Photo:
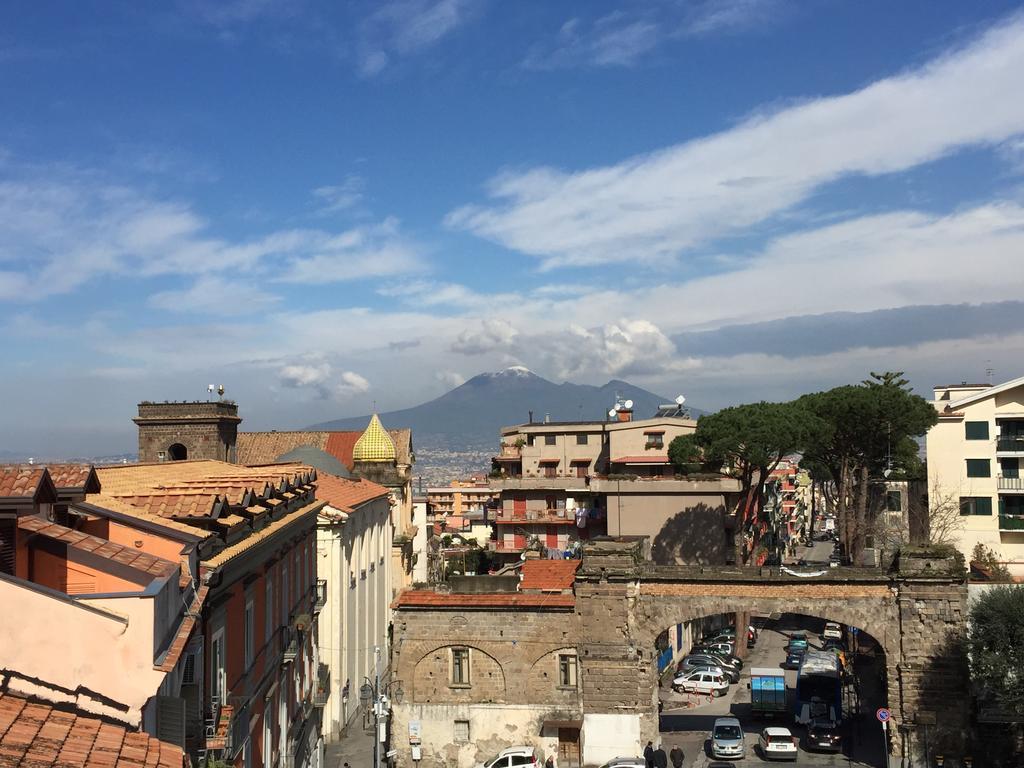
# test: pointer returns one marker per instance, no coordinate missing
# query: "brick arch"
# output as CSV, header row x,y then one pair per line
x,y
536,678
429,678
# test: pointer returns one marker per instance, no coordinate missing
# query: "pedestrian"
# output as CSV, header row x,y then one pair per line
x,y
660,758
649,754
550,762
676,756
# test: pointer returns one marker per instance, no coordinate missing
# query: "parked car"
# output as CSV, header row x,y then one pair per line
x,y
834,561
725,658
707,683
832,631
729,673
726,632
832,645
777,744
699,660
513,756
626,762
793,659
716,647
823,735
727,739
797,642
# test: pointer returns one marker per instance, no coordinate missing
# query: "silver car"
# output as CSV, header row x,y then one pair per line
x,y
727,739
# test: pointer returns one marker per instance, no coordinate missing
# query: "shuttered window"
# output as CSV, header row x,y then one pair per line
x,y
976,430
170,720
8,542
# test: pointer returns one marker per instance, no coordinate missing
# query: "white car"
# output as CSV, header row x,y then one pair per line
x,y
832,631
511,757
704,682
777,744
626,762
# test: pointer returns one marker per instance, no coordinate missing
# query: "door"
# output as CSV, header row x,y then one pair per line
x,y
519,507
568,747
552,537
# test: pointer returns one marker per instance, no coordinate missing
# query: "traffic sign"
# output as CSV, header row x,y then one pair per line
x,y
883,715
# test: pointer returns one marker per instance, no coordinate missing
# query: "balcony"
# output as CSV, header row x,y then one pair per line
x,y
1011,523
319,595
510,453
322,687
536,517
1010,483
1010,445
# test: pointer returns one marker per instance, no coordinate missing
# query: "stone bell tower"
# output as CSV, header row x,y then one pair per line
x,y
187,430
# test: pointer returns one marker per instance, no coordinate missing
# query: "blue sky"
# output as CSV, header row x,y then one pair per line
x,y
324,205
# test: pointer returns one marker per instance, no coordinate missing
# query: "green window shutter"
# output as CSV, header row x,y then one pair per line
x,y
1002,506
976,430
979,468
983,505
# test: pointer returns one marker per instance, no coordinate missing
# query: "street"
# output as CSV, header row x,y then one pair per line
x,y
688,723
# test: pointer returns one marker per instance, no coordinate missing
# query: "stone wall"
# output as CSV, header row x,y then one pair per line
x,y
207,430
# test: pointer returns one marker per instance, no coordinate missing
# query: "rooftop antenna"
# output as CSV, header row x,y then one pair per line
x,y
989,370
209,392
220,391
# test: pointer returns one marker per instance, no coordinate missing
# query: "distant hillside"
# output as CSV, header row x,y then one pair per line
x,y
477,409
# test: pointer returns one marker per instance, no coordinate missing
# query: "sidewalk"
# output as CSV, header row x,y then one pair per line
x,y
355,748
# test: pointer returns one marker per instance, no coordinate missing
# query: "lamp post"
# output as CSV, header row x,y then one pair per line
x,y
375,692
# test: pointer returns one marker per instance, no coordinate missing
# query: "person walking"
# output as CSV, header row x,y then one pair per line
x,y
676,756
649,754
660,758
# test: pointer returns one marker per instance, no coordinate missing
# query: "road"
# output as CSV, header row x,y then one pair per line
x,y
688,724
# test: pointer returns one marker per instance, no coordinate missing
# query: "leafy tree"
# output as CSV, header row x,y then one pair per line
x,y
867,432
996,646
988,559
685,454
749,441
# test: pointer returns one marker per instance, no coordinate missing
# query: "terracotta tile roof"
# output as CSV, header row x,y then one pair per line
x,y
133,558
177,646
267,447
549,575
35,734
346,495
102,501
647,459
425,598
74,477
21,481
264,533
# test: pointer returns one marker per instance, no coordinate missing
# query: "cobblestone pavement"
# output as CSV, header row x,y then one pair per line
x,y
355,748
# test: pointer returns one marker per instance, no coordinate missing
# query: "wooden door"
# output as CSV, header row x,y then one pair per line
x,y
519,507
568,747
552,537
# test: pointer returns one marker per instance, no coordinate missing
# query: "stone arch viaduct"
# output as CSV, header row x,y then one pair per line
x,y
916,612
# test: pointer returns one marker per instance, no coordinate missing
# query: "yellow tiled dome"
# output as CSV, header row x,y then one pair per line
x,y
375,444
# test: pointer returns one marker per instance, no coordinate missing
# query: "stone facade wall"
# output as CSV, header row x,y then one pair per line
x,y
207,430
514,683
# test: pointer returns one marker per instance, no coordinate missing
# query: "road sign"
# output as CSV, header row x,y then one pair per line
x,y
883,715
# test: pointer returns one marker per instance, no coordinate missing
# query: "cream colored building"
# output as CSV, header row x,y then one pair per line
x,y
975,454
354,533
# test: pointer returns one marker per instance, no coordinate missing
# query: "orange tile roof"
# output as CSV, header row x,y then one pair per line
x,y
264,533
133,558
425,598
341,444
345,495
177,646
120,506
35,734
74,476
21,481
549,575
267,447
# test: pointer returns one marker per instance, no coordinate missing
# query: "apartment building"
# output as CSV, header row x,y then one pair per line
x,y
975,456
562,483
462,498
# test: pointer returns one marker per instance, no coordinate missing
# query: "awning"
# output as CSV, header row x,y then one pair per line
x,y
548,461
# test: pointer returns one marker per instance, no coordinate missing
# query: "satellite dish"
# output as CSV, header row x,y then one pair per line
x,y
680,400
628,404
611,414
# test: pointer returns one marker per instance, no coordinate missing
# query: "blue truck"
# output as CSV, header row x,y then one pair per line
x,y
767,691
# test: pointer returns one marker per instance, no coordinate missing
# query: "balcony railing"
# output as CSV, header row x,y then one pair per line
x,y
322,688
319,595
1010,483
1010,445
512,452
1011,523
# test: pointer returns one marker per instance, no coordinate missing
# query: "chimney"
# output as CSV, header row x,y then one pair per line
x,y
625,414
547,418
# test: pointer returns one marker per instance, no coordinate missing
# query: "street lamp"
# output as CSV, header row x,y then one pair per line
x,y
378,694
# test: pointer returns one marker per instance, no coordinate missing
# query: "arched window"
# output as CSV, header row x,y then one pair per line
x,y
177,452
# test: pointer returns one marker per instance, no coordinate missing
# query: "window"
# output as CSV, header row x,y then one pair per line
x,y
285,592
567,670
979,468
530,439
549,469
250,633
581,439
893,501
268,610
460,667
268,734
549,439
1009,467
975,505
581,469
218,685
461,731
976,430
655,440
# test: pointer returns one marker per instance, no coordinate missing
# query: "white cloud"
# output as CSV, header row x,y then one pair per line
x,y
214,295
322,379
491,334
651,208
450,379
617,39
369,251
719,16
340,197
406,27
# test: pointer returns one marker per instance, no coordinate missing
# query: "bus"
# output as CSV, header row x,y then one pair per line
x,y
819,688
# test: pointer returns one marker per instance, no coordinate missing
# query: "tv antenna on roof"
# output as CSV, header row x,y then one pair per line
x,y
989,370
680,400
